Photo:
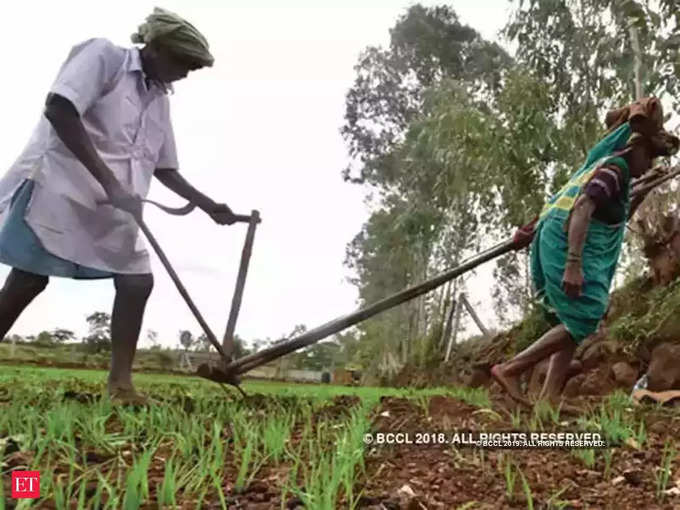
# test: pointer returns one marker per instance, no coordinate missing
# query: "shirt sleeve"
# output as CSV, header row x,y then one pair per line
x,y
605,185
167,157
88,70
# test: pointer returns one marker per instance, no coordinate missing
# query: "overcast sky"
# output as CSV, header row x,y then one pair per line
x,y
259,130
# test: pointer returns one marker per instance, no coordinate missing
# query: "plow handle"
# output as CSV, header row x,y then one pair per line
x,y
251,361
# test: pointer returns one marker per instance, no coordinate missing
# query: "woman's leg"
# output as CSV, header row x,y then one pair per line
x,y
132,293
557,372
19,290
507,374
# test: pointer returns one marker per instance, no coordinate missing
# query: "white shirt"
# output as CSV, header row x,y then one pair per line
x,y
130,127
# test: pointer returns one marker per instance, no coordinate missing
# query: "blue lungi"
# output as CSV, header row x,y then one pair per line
x,y
20,247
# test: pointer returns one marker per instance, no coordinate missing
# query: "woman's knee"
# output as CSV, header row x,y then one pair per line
x,y
134,285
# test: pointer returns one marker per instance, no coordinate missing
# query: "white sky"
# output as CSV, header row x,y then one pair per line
x,y
259,130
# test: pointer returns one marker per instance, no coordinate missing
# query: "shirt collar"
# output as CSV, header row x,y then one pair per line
x,y
135,64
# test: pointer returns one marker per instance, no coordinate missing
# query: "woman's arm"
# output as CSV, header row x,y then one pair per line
x,y
174,181
63,116
66,122
572,281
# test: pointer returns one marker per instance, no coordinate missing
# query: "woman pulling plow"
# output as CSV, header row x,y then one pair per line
x,y
578,241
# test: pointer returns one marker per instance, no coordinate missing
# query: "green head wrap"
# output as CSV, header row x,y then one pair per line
x,y
177,34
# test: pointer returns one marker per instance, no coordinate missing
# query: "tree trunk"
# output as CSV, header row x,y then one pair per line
x,y
446,333
443,302
447,302
456,325
474,315
445,314
452,311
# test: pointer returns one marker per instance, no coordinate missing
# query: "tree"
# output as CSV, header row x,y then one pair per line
x,y
389,113
186,339
585,50
297,330
15,339
99,337
203,343
349,343
320,356
63,335
488,169
152,338
44,339
427,45
258,344
240,349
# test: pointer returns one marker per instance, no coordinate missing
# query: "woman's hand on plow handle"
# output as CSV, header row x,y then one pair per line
x,y
524,235
123,199
220,213
572,281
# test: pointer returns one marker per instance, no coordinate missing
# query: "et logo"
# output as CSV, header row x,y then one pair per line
x,y
25,484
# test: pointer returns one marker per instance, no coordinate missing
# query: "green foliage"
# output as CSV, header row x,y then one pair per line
x,y
166,455
165,359
587,456
398,128
651,315
664,472
527,491
427,44
44,339
275,435
99,337
60,335
240,348
510,476
320,356
512,291
583,48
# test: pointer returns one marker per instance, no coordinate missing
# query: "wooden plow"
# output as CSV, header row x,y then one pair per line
x,y
232,368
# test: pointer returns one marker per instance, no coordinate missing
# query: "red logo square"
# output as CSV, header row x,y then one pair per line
x,y
25,484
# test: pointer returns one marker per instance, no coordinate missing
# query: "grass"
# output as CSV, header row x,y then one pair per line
x,y
331,472
204,448
527,491
103,456
663,473
516,418
607,456
275,435
554,503
587,456
510,477
544,411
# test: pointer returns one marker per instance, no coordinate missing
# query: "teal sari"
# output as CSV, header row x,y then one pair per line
x,y
602,248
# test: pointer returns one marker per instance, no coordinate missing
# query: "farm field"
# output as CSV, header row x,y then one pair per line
x,y
302,446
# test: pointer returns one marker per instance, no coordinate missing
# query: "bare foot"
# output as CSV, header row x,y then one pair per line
x,y
127,395
510,384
